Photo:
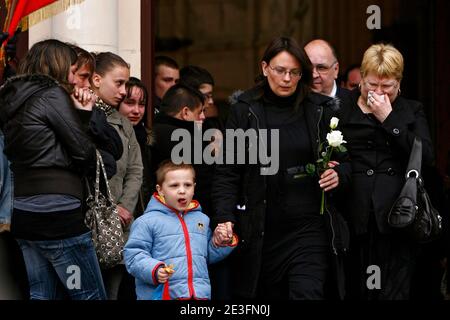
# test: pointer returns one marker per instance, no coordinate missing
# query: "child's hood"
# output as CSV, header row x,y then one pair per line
x,y
158,203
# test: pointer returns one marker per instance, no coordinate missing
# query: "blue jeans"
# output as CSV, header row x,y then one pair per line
x,y
63,268
6,187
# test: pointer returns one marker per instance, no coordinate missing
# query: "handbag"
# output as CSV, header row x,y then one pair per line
x,y
103,219
413,211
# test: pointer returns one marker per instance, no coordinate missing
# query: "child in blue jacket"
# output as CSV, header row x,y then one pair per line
x,y
171,244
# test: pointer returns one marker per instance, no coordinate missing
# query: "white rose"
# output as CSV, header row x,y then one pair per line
x,y
334,123
335,138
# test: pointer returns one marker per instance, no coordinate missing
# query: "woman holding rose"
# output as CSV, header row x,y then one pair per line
x,y
380,127
284,250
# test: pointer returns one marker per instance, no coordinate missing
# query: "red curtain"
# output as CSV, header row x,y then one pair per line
x,y
24,8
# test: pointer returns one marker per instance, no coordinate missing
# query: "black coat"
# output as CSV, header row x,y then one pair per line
x,y
44,138
244,185
105,138
342,93
379,154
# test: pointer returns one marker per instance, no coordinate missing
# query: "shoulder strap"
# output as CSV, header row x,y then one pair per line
x,y
101,166
415,159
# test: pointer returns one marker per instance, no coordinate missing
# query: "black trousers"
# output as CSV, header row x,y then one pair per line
x,y
220,277
395,256
296,267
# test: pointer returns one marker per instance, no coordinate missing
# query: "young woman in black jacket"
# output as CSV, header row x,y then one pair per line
x,y
49,154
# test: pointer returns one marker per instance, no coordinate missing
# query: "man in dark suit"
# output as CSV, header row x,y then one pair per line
x,y
325,68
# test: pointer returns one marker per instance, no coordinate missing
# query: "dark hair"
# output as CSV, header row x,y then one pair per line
x,y
196,76
84,58
52,58
286,44
135,82
348,70
179,96
105,61
165,61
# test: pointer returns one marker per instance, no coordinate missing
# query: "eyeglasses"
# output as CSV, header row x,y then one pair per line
x,y
385,87
208,96
280,71
322,68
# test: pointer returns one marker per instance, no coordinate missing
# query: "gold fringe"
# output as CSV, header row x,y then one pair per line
x,y
49,11
24,24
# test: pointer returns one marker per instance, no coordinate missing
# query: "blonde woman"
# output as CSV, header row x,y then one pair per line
x,y
380,126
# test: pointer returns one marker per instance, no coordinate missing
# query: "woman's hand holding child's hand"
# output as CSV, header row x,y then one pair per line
x,y
221,236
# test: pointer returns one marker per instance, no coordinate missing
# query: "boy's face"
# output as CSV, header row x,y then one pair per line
x,y
207,90
82,76
197,115
177,188
165,78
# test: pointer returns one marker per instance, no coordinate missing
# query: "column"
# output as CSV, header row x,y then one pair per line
x,y
97,25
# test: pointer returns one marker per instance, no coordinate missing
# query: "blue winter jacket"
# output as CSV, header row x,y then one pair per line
x,y
163,236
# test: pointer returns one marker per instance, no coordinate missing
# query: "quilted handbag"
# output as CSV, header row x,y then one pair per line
x,y
413,211
103,220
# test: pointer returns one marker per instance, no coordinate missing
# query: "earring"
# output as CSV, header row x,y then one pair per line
x,y
359,86
399,91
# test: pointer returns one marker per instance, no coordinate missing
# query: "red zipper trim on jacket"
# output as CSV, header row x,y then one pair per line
x,y
166,294
189,256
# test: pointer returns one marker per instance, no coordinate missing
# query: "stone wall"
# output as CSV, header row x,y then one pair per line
x,y
228,36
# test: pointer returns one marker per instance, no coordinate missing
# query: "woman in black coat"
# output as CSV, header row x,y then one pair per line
x,y
379,127
284,247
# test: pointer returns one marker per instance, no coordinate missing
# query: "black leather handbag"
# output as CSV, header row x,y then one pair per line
x,y
413,211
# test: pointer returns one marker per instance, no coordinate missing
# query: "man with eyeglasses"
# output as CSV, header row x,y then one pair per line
x,y
200,79
325,68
